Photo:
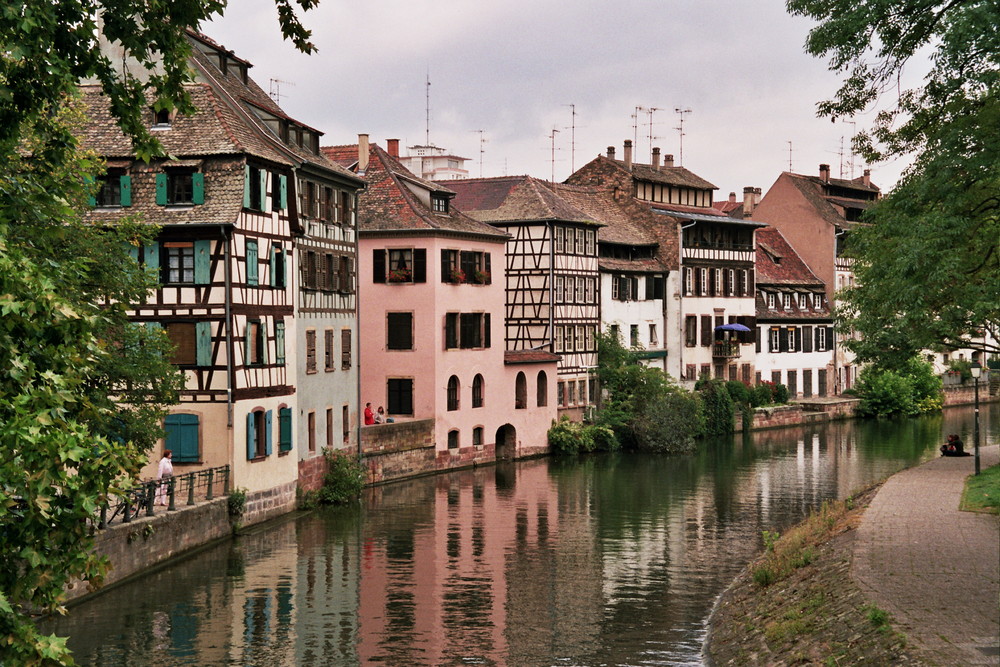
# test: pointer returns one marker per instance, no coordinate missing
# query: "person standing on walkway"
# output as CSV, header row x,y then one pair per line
x,y
164,473
369,415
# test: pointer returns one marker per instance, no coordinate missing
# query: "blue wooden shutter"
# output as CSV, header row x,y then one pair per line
x,y
263,190
182,437
198,187
161,189
125,181
247,361
252,263
285,430
151,256
251,437
263,342
133,252
202,262
88,180
283,192
268,438
203,343
279,343
274,266
246,186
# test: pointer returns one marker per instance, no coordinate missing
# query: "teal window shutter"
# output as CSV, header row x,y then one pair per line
x,y
283,192
251,438
285,430
182,437
198,187
88,180
268,439
161,189
202,262
247,361
151,256
263,343
246,186
263,190
252,263
133,252
153,326
203,343
126,189
279,343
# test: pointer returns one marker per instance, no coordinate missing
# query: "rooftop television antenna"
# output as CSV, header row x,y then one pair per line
x,y
680,129
275,89
572,138
482,149
552,138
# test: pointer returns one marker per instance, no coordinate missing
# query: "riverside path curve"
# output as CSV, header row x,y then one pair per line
x,y
934,568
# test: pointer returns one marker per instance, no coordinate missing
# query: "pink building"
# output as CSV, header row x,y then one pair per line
x,y
432,320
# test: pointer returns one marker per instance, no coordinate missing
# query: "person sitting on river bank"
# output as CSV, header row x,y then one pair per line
x,y
953,447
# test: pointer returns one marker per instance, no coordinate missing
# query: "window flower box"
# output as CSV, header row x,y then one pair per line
x,y
481,277
456,276
400,276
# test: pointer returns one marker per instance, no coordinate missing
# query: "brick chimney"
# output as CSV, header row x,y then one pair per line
x,y
824,173
867,178
751,197
732,196
656,157
362,153
628,153
392,147
611,152
668,160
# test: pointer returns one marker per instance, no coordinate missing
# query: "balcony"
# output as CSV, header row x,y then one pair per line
x,y
725,349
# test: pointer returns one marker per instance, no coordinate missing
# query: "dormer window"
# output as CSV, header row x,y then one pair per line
x,y
180,187
161,119
786,301
439,204
770,300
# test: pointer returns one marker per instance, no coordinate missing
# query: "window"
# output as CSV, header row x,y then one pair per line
x,y
803,304
775,340
770,300
345,422
731,282
161,119
256,337
821,339
580,244
688,281
560,240
453,439
345,349
634,335
467,330
182,437
311,351
329,427
278,273
655,287
571,393
786,301
590,338
477,436
439,203
817,301
279,342
653,339
285,430
454,390
183,337
400,396
560,287
614,331
703,282
399,331
520,391
589,293
477,391
399,265
254,188
580,290
581,345
178,262
792,331
328,354
557,338
259,438
541,389
180,187
706,330
115,190
561,393
717,287
744,276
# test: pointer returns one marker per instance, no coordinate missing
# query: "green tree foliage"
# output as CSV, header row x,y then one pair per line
x,y
928,267
670,423
568,437
81,389
908,390
720,411
344,480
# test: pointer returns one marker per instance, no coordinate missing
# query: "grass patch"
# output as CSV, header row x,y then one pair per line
x,y
797,548
982,492
877,617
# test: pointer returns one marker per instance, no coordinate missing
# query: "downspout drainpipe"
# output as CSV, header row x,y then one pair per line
x,y
837,384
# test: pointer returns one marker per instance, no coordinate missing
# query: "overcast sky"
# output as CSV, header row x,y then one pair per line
x,y
511,68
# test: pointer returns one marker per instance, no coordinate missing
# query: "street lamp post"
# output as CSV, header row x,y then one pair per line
x,y
977,370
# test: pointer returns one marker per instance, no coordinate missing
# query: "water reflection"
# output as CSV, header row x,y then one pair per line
x,y
606,561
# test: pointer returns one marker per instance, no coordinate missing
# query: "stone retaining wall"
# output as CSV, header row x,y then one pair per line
x,y
267,504
966,394
311,473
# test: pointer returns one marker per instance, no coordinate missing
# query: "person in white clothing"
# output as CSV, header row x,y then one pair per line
x,y
165,472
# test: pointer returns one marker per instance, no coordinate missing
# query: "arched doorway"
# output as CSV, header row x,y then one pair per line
x,y
506,443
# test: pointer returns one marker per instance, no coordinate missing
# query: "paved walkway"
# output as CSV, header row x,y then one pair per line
x,y
934,568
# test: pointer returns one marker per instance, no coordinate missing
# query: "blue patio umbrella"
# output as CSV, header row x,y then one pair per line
x,y
732,327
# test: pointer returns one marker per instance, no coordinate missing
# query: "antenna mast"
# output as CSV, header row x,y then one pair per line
x,y
789,156
482,149
680,129
275,92
552,137
650,111
850,162
572,138
427,112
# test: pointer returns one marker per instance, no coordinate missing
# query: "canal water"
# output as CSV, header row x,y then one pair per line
x,y
606,560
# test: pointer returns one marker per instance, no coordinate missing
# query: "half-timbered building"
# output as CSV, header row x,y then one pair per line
x,y
712,284
795,328
552,278
226,207
432,313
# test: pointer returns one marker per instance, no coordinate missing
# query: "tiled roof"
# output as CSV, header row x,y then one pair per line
x,y
647,265
514,199
529,357
779,264
812,188
676,176
388,203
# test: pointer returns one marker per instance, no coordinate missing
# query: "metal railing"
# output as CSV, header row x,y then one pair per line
x,y
143,498
725,349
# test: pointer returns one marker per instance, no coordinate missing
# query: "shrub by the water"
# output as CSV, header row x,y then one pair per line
x,y
569,437
344,479
908,390
669,424
762,394
738,391
718,407
780,393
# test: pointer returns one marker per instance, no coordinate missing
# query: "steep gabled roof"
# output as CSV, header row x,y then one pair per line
x,y
675,176
389,204
779,264
514,199
814,190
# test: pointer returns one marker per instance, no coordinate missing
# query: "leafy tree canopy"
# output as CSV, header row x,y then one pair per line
x,y
927,268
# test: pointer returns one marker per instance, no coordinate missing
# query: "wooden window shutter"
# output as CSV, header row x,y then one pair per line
x,y
650,288
279,342
345,349
273,273
161,189
151,256
419,265
323,279
133,252
125,185
263,191
706,330
247,346
268,435
807,339
285,430
198,187
487,336
251,438
757,344
333,271
246,186
489,269
263,343
203,343
378,266
445,266
252,263
783,340
91,199
282,192
202,262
